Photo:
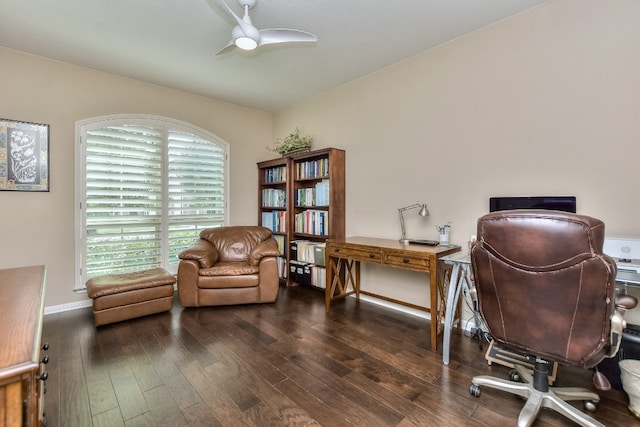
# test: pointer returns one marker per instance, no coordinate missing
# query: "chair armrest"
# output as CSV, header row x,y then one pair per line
x,y
202,251
623,303
263,249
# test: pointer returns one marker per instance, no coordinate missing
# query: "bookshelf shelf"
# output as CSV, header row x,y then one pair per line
x,y
312,212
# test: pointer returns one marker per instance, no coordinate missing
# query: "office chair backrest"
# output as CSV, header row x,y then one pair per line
x,y
544,285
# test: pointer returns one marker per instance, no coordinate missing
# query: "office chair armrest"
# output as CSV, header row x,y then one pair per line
x,y
626,301
623,303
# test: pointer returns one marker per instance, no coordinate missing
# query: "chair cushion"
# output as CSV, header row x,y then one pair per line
x,y
229,269
110,284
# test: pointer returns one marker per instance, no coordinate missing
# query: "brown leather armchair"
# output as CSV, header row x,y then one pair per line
x,y
546,289
229,265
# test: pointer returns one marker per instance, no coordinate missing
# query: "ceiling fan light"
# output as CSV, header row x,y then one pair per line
x,y
246,43
246,38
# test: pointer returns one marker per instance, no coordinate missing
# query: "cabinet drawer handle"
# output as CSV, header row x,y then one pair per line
x,y
43,377
406,260
337,249
372,255
45,360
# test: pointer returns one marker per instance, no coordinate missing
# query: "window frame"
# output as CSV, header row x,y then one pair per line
x,y
166,125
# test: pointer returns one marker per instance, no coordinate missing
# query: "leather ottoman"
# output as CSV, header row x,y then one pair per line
x,y
118,297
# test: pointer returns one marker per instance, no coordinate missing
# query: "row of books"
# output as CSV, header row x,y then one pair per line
x,y
282,267
312,221
275,221
312,169
313,196
275,174
274,198
308,252
281,239
308,274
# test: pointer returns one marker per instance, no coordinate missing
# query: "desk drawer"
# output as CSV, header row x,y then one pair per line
x,y
402,260
356,254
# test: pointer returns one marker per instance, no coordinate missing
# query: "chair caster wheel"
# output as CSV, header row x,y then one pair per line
x,y
590,405
513,375
474,390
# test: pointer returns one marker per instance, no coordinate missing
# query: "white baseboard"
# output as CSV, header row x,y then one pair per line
x,y
467,326
67,307
393,306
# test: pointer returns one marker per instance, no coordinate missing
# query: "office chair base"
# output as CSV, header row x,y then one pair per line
x,y
555,398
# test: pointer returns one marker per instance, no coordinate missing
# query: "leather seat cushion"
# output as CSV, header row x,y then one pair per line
x,y
227,282
110,284
229,269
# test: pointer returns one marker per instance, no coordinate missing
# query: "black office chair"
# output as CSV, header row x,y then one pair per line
x,y
546,289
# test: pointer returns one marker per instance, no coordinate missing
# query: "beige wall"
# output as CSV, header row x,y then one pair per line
x,y
545,103
38,228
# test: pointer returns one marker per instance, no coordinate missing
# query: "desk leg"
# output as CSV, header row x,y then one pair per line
x,y
338,281
449,314
433,310
329,284
356,285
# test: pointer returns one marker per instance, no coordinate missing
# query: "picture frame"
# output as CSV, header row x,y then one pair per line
x,y
24,156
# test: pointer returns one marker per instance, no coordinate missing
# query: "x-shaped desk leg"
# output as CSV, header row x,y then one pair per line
x,y
341,279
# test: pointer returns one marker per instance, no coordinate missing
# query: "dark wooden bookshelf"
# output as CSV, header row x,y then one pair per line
x,y
322,171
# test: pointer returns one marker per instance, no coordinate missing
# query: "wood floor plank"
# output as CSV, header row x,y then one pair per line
x,y
317,387
142,420
200,415
226,377
74,399
180,388
164,409
102,397
261,383
109,418
284,364
222,406
324,414
130,398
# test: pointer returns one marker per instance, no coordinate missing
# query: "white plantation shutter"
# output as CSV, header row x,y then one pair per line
x,y
123,204
196,189
148,186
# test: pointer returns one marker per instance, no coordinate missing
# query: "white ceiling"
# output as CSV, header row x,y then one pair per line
x,y
173,42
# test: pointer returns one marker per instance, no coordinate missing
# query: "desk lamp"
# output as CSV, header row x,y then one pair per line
x,y
423,212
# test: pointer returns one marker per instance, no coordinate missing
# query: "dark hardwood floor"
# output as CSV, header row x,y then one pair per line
x,y
282,364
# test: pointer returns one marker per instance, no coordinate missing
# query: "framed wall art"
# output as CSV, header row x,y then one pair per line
x,y
24,156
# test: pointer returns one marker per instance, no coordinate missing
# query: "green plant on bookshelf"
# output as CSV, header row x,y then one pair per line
x,y
292,143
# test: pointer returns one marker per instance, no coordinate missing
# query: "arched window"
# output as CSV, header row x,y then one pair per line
x,y
146,187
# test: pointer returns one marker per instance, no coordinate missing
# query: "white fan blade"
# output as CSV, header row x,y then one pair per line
x,y
229,47
285,35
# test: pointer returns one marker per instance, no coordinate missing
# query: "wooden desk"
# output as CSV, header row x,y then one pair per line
x,y
21,369
343,269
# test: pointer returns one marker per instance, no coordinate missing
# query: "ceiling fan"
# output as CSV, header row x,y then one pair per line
x,y
247,37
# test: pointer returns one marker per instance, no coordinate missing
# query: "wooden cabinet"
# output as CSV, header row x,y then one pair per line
x,y
313,187
22,374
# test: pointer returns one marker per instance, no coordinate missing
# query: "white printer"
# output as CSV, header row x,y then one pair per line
x,y
626,253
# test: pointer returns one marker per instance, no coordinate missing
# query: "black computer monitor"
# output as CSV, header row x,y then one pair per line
x,y
557,203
